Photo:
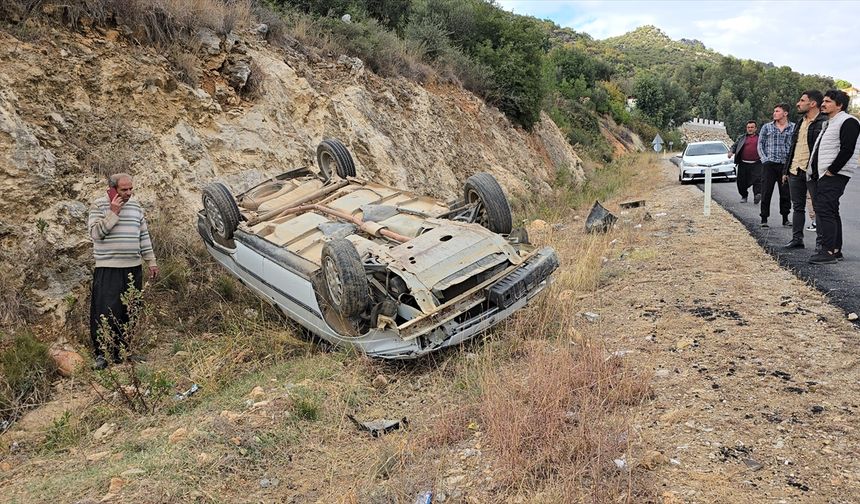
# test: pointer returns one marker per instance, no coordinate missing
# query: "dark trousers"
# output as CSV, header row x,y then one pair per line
x,y
798,187
811,185
108,286
749,174
772,174
826,203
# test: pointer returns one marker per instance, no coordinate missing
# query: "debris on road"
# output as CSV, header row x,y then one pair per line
x,y
599,219
379,426
188,393
632,204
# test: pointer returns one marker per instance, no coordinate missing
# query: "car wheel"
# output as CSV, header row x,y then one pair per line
x,y
332,153
222,214
494,212
345,279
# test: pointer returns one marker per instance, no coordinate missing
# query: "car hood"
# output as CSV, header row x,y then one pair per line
x,y
709,160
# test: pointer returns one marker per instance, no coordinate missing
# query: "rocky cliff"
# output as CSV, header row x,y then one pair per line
x,y
75,106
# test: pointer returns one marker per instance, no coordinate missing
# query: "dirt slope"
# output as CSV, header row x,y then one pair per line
x,y
74,106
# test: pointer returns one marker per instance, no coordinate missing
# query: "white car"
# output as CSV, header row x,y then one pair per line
x,y
701,156
394,274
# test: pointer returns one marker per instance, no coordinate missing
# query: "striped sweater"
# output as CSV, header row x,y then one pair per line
x,y
119,241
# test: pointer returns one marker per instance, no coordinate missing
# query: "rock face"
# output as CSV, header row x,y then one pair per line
x,y
75,107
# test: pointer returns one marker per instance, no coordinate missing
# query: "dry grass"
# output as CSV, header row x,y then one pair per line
x,y
157,22
255,87
187,67
558,414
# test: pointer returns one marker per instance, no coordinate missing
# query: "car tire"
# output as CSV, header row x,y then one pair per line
x,y
344,276
495,213
222,213
332,152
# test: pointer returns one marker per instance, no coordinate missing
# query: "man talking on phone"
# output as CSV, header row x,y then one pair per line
x,y
121,245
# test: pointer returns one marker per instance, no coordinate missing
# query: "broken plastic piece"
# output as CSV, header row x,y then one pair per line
x,y
425,497
379,426
632,204
188,393
599,219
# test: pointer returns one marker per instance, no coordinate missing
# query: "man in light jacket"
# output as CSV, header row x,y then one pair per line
x,y
834,160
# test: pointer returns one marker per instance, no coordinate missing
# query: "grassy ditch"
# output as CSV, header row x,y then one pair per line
x,y
536,410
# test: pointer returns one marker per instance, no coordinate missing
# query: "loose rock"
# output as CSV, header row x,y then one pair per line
x,y
178,435
652,459
104,431
116,485
380,382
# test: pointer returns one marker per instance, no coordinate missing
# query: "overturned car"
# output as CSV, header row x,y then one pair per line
x,y
394,274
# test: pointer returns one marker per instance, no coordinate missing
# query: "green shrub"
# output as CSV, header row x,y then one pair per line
x,y
26,370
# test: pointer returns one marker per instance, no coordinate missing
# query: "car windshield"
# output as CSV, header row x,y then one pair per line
x,y
706,149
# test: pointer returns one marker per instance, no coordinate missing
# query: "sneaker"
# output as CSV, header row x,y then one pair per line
x,y
793,244
744,199
812,228
838,256
764,223
785,222
757,199
100,363
823,258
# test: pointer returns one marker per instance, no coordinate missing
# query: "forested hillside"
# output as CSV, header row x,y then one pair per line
x,y
674,79
524,65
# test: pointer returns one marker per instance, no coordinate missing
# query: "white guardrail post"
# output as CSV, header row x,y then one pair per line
x,y
708,176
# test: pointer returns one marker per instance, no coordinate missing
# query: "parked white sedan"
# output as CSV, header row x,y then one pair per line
x,y
391,273
701,156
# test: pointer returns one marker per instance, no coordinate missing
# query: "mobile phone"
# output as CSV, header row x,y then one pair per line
x,y
111,194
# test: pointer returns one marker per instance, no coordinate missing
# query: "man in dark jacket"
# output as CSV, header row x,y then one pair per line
x,y
745,152
796,171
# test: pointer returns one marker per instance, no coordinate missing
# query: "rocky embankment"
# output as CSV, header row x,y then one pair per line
x,y
75,106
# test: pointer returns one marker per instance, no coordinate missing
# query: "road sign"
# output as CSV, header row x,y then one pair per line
x,y
657,143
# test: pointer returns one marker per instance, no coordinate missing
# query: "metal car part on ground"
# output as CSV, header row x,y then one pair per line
x,y
389,272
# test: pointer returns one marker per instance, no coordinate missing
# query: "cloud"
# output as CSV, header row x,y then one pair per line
x,y
764,31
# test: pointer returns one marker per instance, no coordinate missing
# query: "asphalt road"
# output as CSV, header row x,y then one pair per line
x,y
840,281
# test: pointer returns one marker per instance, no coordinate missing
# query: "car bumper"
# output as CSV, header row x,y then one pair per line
x,y
720,173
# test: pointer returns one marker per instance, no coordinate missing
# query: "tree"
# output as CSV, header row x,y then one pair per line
x,y
842,84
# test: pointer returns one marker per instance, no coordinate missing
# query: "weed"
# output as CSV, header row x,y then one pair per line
x,y
187,67
15,308
26,371
41,225
306,404
63,433
255,86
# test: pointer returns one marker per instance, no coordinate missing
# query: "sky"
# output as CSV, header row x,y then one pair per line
x,y
783,33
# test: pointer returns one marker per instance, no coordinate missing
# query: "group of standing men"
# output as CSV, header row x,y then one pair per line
x,y
809,161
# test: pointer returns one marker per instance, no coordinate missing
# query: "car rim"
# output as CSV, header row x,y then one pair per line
x,y
480,212
335,288
326,163
216,220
